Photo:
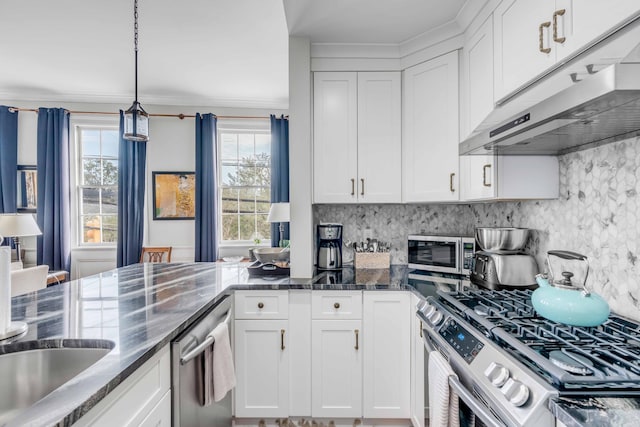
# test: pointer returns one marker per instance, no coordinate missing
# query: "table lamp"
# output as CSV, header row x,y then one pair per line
x,y
279,212
16,226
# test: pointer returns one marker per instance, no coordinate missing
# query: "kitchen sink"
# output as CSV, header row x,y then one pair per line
x,y
31,370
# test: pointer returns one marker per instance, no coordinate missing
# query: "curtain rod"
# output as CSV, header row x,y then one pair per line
x,y
180,116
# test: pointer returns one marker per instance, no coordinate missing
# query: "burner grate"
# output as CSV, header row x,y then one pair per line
x,y
610,353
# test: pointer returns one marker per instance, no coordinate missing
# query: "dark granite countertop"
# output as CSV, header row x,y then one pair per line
x,y
141,308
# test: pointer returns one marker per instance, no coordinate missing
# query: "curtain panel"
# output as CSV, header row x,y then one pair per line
x,y
206,243
53,212
8,159
279,170
132,157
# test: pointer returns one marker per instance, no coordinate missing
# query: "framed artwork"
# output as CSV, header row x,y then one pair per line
x,y
174,195
27,195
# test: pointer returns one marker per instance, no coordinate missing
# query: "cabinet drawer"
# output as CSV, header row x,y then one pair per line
x,y
336,304
261,304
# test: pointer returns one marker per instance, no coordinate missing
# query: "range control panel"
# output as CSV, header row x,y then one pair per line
x,y
462,341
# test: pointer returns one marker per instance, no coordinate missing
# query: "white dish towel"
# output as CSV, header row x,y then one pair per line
x,y
224,375
443,402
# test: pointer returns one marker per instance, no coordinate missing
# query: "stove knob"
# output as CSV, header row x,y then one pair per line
x,y
436,318
497,374
515,392
429,310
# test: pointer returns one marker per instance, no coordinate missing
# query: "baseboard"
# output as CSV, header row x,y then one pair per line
x,y
319,422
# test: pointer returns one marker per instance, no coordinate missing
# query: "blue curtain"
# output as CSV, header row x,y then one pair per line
x,y
279,170
132,158
8,159
53,212
206,199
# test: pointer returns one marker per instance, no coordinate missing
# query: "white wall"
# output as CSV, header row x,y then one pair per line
x,y
171,147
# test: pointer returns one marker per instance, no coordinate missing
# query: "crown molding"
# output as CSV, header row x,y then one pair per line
x,y
468,11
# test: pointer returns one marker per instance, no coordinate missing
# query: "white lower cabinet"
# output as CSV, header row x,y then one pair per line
x,y
340,355
336,359
143,399
387,355
262,368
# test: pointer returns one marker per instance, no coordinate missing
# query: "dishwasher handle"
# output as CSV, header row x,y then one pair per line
x,y
203,345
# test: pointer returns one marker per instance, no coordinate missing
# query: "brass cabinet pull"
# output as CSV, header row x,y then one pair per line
x,y
484,175
357,347
281,339
451,182
362,189
555,26
260,305
421,329
541,29
353,187
336,305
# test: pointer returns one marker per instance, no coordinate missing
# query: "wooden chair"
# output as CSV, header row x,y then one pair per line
x,y
29,279
156,254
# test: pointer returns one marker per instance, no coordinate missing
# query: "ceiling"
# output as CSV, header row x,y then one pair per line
x,y
231,53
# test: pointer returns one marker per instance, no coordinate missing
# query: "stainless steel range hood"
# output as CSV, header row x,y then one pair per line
x,y
601,107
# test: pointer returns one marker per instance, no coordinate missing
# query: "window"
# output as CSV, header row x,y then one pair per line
x,y
98,185
244,182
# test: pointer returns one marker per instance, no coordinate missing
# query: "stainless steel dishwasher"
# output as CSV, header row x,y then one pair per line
x,y
186,353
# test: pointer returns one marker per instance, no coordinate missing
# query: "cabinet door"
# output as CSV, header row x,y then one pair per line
x,y
585,20
430,131
262,368
335,137
387,355
517,29
160,415
379,139
337,368
418,384
477,176
477,77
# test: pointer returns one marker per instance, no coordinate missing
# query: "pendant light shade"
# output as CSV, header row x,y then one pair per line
x,y
136,120
136,123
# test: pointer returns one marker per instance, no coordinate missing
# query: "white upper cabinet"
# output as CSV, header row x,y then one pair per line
x,y
522,39
476,80
509,177
335,142
588,20
531,36
357,137
430,131
379,137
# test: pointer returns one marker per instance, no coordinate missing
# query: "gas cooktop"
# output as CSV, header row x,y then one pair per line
x,y
603,360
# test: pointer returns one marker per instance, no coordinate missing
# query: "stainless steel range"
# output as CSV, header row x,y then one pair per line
x,y
510,361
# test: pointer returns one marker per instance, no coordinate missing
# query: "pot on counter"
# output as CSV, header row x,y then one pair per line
x,y
561,301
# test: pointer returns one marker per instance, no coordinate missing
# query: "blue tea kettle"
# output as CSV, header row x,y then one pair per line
x,y
563,302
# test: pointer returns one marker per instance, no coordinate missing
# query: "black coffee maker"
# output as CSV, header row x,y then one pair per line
x,y
329,240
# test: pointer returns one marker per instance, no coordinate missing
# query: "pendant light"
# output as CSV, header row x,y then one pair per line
x,y
136,120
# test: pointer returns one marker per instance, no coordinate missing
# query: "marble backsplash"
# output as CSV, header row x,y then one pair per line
x,y
596,215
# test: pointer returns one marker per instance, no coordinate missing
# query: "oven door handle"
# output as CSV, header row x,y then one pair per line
x,y
469,399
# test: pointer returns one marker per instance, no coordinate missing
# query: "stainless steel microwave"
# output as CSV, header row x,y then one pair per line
x,y
444,254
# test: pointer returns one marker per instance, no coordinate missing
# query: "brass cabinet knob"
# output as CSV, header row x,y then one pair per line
x,y
336,305
260,305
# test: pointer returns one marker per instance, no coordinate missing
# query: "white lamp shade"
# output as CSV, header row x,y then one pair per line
x,y
17,225
279,212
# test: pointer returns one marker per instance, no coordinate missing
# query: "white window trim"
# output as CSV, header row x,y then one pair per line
x,y
75,123
238,126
